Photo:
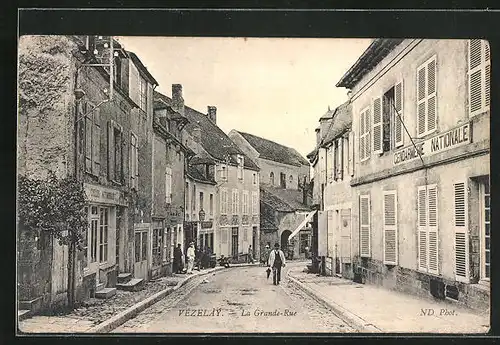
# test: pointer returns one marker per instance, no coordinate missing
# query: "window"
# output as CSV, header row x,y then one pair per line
x,y
235,201
460,222
351,153
486,229
246,205
427,229
118,70
224,201
201,201
365,227
254,203
390,214
168,185
186,196
85,241
115,152
240,167
479,76
234,241
283,180
290,180
254,178
223,173
426,97
143,94
103,233
271,178
90,140
165,235
157,243
134,161
338,156
92,236
364,135
211,205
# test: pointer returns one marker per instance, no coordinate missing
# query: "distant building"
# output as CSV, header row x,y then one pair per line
x,y
285,196
223,183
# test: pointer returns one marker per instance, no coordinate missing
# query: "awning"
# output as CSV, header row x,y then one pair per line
x,y
302,224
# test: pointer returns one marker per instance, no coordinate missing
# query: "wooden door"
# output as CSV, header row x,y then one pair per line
x,y
141,254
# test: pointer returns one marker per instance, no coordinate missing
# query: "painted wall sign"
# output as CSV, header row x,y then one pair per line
x,y
455,137
103,195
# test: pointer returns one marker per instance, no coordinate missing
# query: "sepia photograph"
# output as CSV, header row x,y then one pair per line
x,y
170,184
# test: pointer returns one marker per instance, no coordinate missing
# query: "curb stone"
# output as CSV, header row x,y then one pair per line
x,y
350,318
131,312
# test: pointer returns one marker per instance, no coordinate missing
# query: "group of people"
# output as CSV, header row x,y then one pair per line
x,y
194,257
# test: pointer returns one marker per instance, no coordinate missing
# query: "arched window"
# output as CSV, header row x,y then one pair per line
x,y
271,178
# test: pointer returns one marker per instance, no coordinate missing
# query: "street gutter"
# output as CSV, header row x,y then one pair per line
x,y
131,312
345,315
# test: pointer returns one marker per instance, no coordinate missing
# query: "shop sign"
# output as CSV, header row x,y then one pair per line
x,y
206,224
103,195
455,137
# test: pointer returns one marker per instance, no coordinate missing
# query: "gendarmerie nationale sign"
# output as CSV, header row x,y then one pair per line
x,y
455,137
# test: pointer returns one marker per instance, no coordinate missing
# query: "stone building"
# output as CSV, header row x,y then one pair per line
x,y
421,207
332,161
72,122
221,172
284,186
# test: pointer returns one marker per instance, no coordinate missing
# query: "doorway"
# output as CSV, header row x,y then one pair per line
x,y
284,240
234,242
254,240
141,251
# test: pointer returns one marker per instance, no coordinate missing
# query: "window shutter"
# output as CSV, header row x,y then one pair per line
x,y
96,142
367,129
351,153
362,145
377,125
421,98
329,239
365,245
111,152
422,227
475,76
345,245
341,159
461,237
390,228
487,73
399,119
432,230
431,95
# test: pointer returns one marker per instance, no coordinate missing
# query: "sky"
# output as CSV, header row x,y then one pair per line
x,y
275,88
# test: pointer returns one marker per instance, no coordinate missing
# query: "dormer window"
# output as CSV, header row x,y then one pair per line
x,y
240,166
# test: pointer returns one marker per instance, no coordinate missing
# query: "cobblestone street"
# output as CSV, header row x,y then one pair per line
x,y
236,300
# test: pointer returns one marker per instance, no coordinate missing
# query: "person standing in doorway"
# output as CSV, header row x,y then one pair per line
x,y
276,261
177,259
190,258
250,254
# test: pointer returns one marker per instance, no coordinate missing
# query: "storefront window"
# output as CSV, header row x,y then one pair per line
x,y
103,234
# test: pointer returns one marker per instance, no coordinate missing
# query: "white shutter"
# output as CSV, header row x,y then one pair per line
x,y
377,125
487,72
322,233
96,142
364,234
475,76
345,245
330,240
351,153
367,130
421,99
390,222
399,119
422,227
460,222
134,83
431,95
362,136
432,229
341,158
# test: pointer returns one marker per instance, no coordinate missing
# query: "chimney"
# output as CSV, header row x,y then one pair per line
x,y
177,100
212,113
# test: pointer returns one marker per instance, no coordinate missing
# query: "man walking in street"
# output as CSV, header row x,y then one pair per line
x,y
250,254
276,261
190,258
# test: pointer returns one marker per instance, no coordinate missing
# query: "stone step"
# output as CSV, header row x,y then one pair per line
x,y
105,293
124,277
134,284
23,314
33,304
99,287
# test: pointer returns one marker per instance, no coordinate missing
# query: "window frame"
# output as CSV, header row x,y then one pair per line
x,y
103,234
485,63
365,136
168,185
425,100
134,161
143,94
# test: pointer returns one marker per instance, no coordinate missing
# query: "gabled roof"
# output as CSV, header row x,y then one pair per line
x,y
193,171
328,115
376,52
213,139
281,199
341,122
273,151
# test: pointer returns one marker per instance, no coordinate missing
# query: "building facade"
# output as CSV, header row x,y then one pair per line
x,y
218,168
284,187
421,206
